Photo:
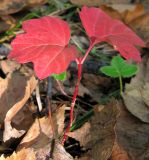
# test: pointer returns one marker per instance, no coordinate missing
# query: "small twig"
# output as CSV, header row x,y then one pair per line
x,y
48,98
38,99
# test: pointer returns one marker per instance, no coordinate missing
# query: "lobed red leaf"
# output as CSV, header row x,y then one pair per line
x,y
45,43
101,27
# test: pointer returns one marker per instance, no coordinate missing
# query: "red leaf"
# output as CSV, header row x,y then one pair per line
x,y
101,27
45,43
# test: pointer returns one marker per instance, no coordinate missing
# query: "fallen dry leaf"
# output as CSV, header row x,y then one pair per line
x,y
138,20
135,95
13,6
130,15
60,118
118,153
24,154
4,26
132,135
40,135
98,135
141,27
93,83
111,11
13,97
97,2
9,66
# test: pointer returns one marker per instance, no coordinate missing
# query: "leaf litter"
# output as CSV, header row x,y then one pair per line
x,y
136,93
123,136
98,134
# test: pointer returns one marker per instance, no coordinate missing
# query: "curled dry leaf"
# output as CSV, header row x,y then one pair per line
x,y
24,154
98,135
12,92
9,132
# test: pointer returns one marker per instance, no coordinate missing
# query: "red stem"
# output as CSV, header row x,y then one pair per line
x,y
80,62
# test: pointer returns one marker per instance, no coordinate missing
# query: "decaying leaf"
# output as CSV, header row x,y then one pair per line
x,y
97,2
132,135
98,135
42,127
4,26
130,15
118,153
14,100
13,6
9,66
24,154
111,11
12,92
136,93
40,135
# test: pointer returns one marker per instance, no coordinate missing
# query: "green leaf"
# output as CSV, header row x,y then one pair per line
x,y
110,71
129,70
119,68
60,77
118,62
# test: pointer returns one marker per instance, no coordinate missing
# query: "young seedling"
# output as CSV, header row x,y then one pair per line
x,y
119,68
45,43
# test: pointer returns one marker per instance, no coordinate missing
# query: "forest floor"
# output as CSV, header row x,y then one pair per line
x,y
34,114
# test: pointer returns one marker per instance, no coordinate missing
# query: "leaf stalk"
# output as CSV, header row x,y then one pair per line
x,y
79,62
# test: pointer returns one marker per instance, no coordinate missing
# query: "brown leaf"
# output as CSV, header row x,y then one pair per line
x,y
138,20
118,153
13,6
92,83
24,154
112,12
4,26
81,134
60,118
40,128
60,153
40,135
132,135
135,95
9,66
86,2
39,139
97,2
14,99
130,15
98,135
140,25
